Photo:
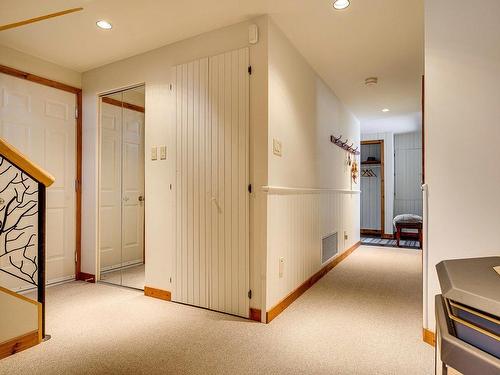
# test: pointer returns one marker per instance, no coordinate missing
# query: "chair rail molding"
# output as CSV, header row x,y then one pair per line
x,y
305,190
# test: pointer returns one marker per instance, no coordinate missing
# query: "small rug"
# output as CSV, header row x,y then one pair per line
x,y
377,241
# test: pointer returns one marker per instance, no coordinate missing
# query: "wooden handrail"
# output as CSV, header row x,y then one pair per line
x,y
22,162
17,295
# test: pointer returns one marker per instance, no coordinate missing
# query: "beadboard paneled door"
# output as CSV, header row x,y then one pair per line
x,y
212,252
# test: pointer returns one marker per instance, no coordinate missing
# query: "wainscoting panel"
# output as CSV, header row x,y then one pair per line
x,y
297,222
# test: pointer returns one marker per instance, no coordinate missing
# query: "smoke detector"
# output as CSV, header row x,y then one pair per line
x,y
371,81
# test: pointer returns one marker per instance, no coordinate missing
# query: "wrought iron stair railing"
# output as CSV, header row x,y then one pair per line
x,y
22,223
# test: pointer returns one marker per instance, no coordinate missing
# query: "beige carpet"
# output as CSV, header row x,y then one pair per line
x,y
364,317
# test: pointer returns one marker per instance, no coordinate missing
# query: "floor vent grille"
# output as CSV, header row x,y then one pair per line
x,y
329,247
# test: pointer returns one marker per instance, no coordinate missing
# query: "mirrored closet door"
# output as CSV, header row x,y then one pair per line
x,y
121,204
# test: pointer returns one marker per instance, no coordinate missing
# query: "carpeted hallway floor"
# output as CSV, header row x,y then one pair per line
x,y
364,317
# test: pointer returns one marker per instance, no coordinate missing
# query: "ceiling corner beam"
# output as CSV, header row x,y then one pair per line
x,y
38,19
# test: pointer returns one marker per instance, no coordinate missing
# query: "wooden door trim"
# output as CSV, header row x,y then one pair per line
x,y
78,183
121,104
382,181
423,129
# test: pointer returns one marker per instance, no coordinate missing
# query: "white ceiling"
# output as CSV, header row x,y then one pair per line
x,y
408,123
382,38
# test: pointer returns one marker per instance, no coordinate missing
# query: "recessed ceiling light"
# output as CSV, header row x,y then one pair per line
x,y
386,110
104,25
341,4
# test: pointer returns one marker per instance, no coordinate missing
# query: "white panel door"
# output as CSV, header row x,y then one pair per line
x,y
132,187
40,121
110,203
212,257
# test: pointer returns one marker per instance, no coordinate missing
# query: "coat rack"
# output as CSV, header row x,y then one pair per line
x,y
368,173
345,145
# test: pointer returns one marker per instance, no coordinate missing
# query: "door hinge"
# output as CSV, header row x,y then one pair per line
x,y
77,185
250,188
76,257
76,112
250,294
250,69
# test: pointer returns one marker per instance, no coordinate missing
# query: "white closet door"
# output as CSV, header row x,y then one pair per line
x,y
228,104
133,187
110,190
193,184
40,122
212,257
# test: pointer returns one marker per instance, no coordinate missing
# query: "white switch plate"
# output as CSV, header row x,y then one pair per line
x,y
282,267
276,147
154,153
163,152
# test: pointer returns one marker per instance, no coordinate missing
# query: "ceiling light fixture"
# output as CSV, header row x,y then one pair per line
x,y
104,25
341,4
386,110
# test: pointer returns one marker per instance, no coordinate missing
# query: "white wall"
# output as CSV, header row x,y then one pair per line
x,y
303,113
19,316
388,139
154,68
31,64
462,134
408,173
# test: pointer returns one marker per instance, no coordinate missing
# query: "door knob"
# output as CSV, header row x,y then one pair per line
x,y
141,198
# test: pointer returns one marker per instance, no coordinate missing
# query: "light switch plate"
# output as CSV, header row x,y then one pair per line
x,y
163,152
281,267
154,153
276,147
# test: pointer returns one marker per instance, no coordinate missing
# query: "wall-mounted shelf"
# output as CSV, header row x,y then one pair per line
x,y
374,163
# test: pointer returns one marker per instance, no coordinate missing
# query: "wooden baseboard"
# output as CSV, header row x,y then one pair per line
x,y
19,344
157,293
429,337
87,277
287,301
255,314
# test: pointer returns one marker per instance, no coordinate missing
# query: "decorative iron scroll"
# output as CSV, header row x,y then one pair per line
x,y
18,223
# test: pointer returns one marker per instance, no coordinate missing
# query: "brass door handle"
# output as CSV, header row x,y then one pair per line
x,y
141,198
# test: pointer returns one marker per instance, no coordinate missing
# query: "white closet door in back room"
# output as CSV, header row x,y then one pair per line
x,y
212,251
40,122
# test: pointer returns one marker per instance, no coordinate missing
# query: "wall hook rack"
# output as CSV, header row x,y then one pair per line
x,y
344,144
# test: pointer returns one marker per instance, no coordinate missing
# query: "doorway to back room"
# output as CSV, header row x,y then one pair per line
x,y
391,196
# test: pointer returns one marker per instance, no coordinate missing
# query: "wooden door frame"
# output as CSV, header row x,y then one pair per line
x,y
78,182
382,183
